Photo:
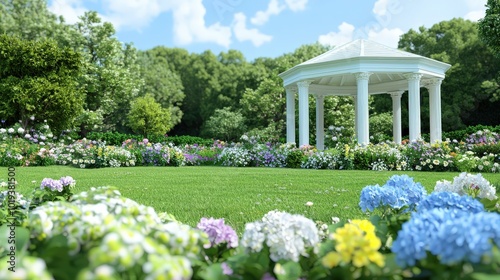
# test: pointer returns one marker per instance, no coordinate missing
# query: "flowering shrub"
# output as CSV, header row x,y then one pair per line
x,y
399,191
98,234
235,156
468,184
53,190
218,232
287,236
14,213
117,236
454,237
27,268
322,160
356,245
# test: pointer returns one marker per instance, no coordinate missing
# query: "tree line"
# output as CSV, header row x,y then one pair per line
x,y
81,77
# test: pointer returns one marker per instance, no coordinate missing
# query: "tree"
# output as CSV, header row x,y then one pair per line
x,y
163,83
264,107
489,26
147,117
489,32
111,73
455,42
30,20
225,124
38,78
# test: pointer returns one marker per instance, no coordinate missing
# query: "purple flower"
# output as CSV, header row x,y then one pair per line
x,y
67,181
268,276
49,183
218,232
226,269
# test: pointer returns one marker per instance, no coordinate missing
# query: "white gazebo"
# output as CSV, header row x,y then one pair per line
x,y
358,69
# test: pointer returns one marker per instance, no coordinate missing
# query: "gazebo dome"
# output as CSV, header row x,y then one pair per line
x,y
364,67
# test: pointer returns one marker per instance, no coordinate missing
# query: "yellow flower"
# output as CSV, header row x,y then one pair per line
x,y
355,243
331,259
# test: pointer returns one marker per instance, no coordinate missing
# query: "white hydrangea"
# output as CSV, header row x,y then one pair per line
x,y
26,268
287,236
468,184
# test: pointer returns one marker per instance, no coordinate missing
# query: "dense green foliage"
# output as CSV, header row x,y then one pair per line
x,y
38,78
489,31
489,26
117,139
193,86
464,100
225,125
147,117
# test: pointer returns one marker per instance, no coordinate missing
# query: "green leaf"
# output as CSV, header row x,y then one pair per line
x,y
19,239
287,271
212,272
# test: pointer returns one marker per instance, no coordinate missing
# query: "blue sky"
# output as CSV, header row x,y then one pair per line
x,y
265,28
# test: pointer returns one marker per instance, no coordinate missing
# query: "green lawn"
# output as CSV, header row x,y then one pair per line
x,y
240,195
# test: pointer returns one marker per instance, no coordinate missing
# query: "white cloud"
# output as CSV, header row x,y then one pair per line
x,y
343,36
134,14
190,26
296,5
273,8
477,9
475,15
242,33
388,37
380,7
69,9
189,17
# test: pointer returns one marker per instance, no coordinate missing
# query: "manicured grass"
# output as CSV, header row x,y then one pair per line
x,y
239,195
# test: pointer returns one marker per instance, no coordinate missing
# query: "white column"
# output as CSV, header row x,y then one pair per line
x,y
396,116
303,112
414,105
320,122
355,104
362,122
290,114
434,87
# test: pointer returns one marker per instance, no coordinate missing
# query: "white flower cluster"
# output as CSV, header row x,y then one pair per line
x,y
287,236
468,184
119,234
19,198
26,268
322,160
235,156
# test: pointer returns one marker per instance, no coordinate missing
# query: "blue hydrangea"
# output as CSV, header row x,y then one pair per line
x,y
414,192
467,238
375,196
398,192
413,240
449,200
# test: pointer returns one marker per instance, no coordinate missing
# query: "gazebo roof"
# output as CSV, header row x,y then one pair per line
x,y
332,72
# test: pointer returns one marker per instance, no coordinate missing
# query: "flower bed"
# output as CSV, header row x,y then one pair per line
x,y
479,153
451,233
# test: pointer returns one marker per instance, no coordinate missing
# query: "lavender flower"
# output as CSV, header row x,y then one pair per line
x,y
67,181
53,185
226,269
218,232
